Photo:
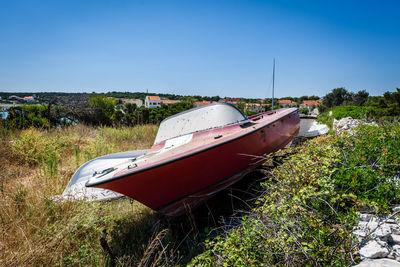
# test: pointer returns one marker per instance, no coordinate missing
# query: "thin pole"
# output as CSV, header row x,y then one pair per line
x,y
273,84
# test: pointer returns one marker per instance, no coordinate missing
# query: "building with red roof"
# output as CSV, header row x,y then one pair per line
x,y
152,101
286,103
310,103
168,102
201,103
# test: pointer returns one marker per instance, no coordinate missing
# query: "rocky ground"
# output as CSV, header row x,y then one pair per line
x,y
347,124
378,235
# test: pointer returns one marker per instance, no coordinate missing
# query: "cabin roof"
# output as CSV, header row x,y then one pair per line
x,y
200,118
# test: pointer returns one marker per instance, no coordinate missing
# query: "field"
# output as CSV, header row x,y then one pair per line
x,y
298,209
35,230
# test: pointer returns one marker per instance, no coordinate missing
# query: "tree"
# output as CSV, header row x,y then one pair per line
x,y
104,109
360,98
130,107
336,97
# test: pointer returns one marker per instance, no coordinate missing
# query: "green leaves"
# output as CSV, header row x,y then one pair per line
x,y
309,207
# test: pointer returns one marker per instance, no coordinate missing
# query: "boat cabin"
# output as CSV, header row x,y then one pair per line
x,y
202,118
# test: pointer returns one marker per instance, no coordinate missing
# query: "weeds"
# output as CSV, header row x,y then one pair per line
x,y
36,230
309,208
304,217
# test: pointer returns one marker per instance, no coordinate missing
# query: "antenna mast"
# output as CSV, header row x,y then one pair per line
x,y
273,84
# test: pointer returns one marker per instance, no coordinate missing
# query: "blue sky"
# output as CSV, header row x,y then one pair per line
x,y
189,47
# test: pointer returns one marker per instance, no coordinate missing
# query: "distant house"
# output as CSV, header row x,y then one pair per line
x,y
168,102
310,103
14,97
152,101
254,107
29,99
225,100
201,103
236,100
138,102
286,103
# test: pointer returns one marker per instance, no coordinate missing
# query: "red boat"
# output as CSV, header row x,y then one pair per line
x,y
198,153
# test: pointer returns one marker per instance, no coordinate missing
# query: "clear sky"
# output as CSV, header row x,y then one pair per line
x,y
223,48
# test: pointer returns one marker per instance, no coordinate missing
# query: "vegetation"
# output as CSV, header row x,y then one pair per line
x,y
37,230
340,112
96,110
311,200
305,215
361,105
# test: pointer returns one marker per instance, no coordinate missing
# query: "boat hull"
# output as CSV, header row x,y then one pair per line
x,y
213,161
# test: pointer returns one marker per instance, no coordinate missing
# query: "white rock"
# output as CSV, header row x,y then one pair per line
x,y
365,217
396,209
396,249
360,233
372,226
378,263
373,250
395,228
362,225
383,232
391,255
394,239
347,124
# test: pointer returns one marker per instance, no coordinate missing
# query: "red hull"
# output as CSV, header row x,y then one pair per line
x,y
185,177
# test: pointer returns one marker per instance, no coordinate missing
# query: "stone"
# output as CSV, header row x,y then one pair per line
x,y
394,239
362,225
396,249
391,255
382,232
396,209
365,217
378,263
360,233
373,250
347,124
372,226
395,228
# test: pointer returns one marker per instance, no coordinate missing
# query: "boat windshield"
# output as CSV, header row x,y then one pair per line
x,y
198,119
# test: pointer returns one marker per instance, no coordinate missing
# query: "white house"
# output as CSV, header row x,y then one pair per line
x,y
152,101
138,102
254,107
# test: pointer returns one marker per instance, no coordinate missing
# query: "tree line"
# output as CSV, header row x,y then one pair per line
x,y
91,110
385,106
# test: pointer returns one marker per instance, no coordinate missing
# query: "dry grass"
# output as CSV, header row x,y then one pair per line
x,y
34,230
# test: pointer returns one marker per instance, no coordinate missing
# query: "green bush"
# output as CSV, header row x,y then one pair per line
x,y
340,112
303,111
370,165
308,212
36,148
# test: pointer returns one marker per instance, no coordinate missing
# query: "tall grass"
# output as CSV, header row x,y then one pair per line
x,y
36,230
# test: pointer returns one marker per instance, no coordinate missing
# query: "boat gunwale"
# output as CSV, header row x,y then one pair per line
x,y
112,179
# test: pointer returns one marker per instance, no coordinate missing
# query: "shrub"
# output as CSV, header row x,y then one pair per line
x,y
35,148
309,209
340,112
